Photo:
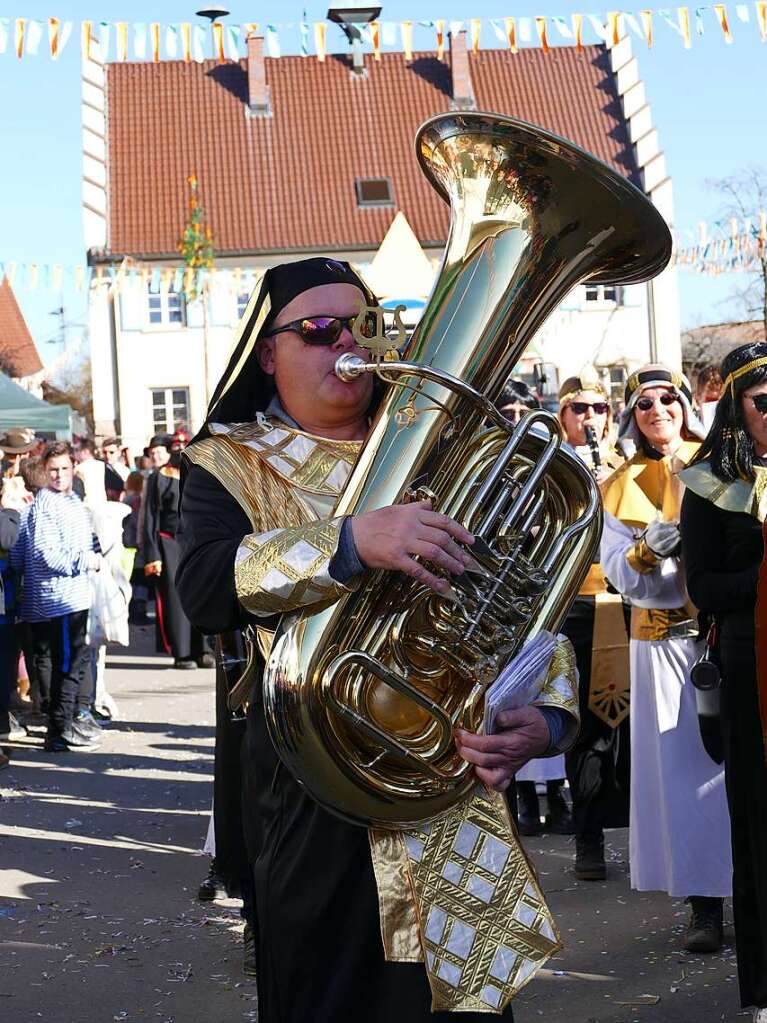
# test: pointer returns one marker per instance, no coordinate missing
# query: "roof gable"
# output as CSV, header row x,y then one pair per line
x,y
286,182
18,354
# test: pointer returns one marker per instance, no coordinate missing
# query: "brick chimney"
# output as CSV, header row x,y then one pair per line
x,y
463,90
258,90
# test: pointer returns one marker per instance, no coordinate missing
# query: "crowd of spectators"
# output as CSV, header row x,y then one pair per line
x,y
74,526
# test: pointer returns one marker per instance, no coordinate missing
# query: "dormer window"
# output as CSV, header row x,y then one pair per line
x,y
374,192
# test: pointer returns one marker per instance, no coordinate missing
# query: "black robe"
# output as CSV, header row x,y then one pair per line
x,y
722,553
599,764
319,950
174,632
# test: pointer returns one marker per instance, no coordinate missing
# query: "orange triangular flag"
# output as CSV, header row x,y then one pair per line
x,y
721,13
683,17
154,35
510,25
761,17
646,17
319,39
540,24
578,30
19,27
476,28
613,28
54,26
440,27
375,29
218,41
87,37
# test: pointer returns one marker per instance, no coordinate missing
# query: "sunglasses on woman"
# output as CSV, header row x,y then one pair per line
x,y
325,330
580,408
667,398
760,403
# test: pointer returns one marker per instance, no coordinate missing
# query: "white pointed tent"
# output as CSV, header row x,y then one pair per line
x,y
401,272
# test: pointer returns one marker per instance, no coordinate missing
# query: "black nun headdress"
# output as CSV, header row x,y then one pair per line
x,y
244,389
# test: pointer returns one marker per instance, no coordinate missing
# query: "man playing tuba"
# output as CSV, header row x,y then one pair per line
x,y
336,936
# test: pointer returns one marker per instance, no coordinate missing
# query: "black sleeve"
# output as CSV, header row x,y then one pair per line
x,y
710,586
211,529
9,528
151,520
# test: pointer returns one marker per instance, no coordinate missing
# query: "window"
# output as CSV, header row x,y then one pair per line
x,y
604,293
170,409
374,192
165,307
618,376
242,303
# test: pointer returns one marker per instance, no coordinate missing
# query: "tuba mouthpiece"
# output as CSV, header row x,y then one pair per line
x,y
348,367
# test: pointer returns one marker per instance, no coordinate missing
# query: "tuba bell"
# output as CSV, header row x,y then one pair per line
x,y
362,698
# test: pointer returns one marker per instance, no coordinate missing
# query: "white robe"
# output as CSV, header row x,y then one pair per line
x,y
543,769
680,829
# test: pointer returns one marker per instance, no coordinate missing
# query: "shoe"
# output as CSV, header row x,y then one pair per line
x,y
249,952
590,858
529,811
559,820
206,661
71,739
87,724
213,886
11,730
184,663
705,931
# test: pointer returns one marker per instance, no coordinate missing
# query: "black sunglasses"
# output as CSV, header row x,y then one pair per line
x,y
325,330
667,398
580,408
760,403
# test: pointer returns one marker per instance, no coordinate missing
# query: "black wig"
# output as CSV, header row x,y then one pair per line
x,y
729,447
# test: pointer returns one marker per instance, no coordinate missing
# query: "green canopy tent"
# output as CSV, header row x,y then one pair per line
x,y
19,409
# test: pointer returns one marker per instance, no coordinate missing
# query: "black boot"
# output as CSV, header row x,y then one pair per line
x,y
249,952
705,931
590,857
559,820
213,886
529,819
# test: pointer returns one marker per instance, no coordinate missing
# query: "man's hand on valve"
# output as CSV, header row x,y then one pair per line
x,y
522,735
392,537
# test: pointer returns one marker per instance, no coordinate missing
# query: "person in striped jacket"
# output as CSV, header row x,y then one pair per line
x,y
55,552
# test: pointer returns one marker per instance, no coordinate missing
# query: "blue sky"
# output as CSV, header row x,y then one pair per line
x,y
708,105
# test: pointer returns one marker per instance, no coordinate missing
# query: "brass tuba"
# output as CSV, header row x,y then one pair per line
x,y
361,699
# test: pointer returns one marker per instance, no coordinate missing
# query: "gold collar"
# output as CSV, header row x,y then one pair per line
x,y
644,488
745,496
315,464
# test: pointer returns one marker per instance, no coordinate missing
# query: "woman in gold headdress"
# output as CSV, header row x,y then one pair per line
x,y
679,841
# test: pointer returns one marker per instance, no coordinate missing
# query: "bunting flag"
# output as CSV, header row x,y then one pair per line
x,y
510,24
19,27
122,40
154,35
721,13
540,25
646,17
34,35
319,39
54,31
155,41
218,41
683,15
476,28
186,41
406,29
578,30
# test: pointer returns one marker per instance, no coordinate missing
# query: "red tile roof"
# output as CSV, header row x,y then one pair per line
x,y
18,355
286,182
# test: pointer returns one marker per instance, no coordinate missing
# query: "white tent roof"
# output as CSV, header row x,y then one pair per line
x,y
400,269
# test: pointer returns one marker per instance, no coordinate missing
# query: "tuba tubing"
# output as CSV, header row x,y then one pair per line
x,y
361,698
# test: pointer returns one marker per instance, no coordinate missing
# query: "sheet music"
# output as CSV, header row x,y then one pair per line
x,y
521,681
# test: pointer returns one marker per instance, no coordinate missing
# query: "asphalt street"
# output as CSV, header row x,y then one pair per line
x,y
100,864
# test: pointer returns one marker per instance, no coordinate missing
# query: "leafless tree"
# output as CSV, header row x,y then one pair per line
x,y
744,196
